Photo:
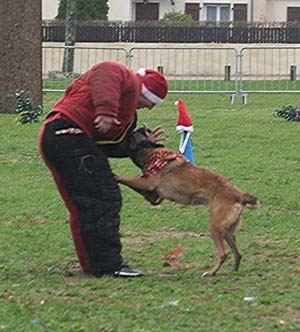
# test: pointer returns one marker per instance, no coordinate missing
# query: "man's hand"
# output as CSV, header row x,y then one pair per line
x,y
154,136
103,123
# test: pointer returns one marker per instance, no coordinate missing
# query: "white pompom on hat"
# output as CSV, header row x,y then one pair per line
x,y
154,85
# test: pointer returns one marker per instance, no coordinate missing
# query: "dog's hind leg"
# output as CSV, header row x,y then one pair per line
x,y
231,239
224,220
218,238
216,227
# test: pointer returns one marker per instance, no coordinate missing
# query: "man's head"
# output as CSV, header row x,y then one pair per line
x,y
154,87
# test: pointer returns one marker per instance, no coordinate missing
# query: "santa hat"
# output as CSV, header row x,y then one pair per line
x,y
154,85
184,122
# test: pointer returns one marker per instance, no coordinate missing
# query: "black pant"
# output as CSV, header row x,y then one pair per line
x,y
85,181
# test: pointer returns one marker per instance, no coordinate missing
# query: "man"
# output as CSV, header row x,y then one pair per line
x,y
86,126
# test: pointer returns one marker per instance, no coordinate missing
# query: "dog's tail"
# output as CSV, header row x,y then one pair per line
x,y
249,201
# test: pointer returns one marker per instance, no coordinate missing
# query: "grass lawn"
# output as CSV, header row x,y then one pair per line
x,y
207,85
42,288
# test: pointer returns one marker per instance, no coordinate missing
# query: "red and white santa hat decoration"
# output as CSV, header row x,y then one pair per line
x,y
154,85
184,122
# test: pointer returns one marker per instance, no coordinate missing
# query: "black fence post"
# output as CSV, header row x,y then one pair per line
x,y
160,69
293,73
227,73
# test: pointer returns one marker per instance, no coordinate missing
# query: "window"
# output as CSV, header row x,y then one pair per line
x,y
211,13
217,13
240,12
225,14
293,14
193,10
146,11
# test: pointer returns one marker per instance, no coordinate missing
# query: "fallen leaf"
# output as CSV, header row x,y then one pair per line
x,y
175,253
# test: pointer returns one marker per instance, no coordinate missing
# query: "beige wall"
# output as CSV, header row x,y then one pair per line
x,y
201,61
272,10
122,10
49,9
278,9
259,10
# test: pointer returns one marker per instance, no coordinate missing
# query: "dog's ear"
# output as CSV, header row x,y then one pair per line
x,y
136,138
139,140
145,142
132,143
141,131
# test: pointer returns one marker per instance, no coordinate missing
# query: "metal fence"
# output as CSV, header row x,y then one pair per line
x,y
255,69
153,32
269,69
55,79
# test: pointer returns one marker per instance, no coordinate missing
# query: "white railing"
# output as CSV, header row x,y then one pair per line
x,y
190,69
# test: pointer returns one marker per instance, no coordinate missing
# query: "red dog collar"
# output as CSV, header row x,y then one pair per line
x,y
159,160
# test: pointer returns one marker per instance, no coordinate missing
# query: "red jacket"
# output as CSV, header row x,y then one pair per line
x,y
108,88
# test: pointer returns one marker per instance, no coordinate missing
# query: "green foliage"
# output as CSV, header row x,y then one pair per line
x,y
42,288
177,17
86,10
290,113
27,112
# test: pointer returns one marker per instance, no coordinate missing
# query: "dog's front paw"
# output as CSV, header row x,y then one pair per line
x,y
157,201
207,274
117,177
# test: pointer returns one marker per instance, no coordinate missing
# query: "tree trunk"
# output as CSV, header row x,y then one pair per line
x,y
70,35
20,52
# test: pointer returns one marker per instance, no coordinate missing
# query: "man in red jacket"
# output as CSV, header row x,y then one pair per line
x,y
85,127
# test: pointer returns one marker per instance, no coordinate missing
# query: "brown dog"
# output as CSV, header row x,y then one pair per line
x,y
168,175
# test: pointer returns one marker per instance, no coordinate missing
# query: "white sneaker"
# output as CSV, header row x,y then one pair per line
x,y
127,272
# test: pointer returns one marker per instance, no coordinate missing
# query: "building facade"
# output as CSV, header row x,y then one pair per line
x,y
200,10
49,9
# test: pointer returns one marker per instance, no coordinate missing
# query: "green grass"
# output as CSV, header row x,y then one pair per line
x,y
42,288
207,85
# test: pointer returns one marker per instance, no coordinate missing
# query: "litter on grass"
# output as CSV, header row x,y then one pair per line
x,y
173,258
